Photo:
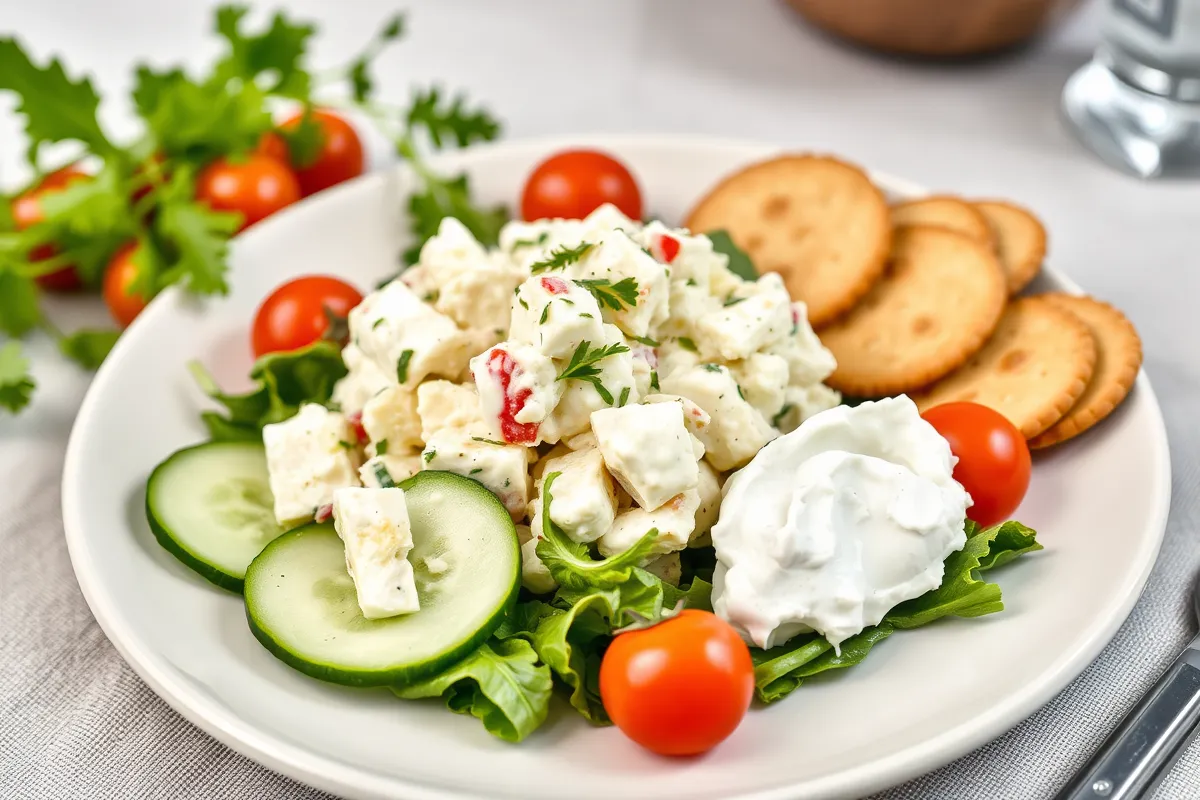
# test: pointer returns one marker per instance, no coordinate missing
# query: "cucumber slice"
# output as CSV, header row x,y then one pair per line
x,y
211,507
301,603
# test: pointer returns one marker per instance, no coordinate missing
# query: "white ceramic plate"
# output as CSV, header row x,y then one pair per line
x,y
922,699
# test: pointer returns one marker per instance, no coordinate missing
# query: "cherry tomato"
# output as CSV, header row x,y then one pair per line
x,y
27,212
122,304
574,183
273,146
295,314
256,186
993,459
341,156
680,687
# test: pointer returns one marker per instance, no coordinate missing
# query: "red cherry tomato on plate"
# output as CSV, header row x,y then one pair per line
x,y
574,183
123,305
340,157
296,314
680,687
993,458
27,212
256,186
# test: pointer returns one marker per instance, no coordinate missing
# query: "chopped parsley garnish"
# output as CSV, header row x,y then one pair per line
x,y
775,420
687,344
691,281
377,323
381,447
739,388
713,367
612,295
545,314
487,441
402,366
476,471
586,314
432,297
646,250
582,366
561,258
732,301
524,305
646,340
345,444
428,455
507,482
654,379
384,477
624,398
567,300
541,239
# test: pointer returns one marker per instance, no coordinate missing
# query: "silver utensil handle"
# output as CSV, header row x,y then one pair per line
x,y
1147,741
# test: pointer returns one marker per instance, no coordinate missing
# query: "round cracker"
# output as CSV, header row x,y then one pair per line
x,y
944,211
1032,370
817,221
936,304
1118,359
1020,241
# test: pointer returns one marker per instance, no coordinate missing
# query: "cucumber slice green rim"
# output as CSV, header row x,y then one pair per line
x,y
301,603
210,506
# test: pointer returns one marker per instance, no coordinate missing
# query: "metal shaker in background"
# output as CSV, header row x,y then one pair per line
x,y
1137,103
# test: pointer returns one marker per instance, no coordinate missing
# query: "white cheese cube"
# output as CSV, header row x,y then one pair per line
x,y
582,441
645,367
446,406
534,575
675,354
808,360
615,258
752,319
556,315
674,521
690,301
518,388
374,527
802,402
737,431
763,379
582,500
607,217
689,257
363,381
405,337
452,249
648,450
709,509
572,415
390,418
384,471
479,299
539,467
308,458
502,469
695,418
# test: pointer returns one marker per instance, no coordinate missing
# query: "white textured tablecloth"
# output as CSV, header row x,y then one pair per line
x,y
76,722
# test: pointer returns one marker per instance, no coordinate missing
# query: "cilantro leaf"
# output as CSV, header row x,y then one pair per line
x,y
304,140
561,257
582,366
90,219
361,84
739,263
453,122
195,237
198,122
612,295
16,386
87,347
18,304
150,86
449,197
55,108
275,54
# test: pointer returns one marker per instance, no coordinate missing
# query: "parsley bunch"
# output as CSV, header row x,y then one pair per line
x,y
144,191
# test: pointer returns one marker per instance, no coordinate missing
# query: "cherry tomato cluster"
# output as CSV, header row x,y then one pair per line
x,y
255,185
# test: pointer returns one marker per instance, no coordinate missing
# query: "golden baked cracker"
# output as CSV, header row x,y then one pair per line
x,y
817,221
1118,359
937,303
1034,368
1020,240
944,211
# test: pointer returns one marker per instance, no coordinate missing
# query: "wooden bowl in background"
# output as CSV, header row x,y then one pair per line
x,y
940,28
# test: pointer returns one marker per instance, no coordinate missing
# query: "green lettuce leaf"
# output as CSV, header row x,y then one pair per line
x,y
739,262
781,670
285,382
501,683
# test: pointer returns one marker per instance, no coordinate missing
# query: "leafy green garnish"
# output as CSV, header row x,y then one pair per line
x,y
402,366
16,385
502,684
781,670
646,340
285,382
739,263
582,366
446,122
686,344
561,258
88,348
615,296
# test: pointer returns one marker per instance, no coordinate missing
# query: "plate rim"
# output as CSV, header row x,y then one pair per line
x,y
318,771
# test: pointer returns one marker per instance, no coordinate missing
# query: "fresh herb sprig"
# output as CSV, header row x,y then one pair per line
x,y
582,366
614,296
561,258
